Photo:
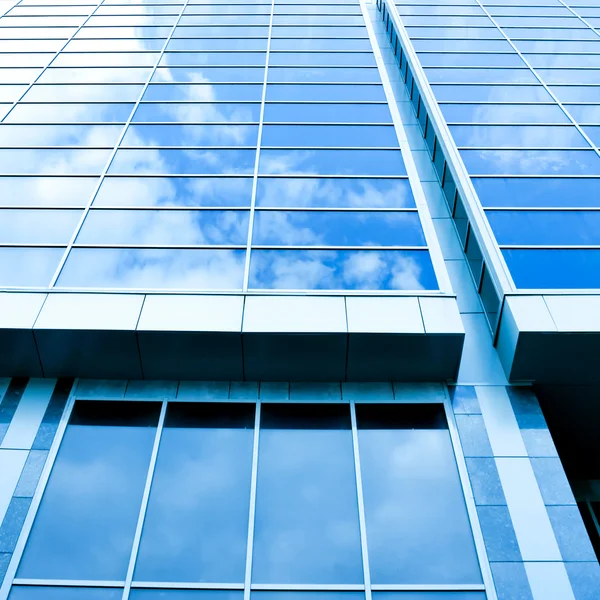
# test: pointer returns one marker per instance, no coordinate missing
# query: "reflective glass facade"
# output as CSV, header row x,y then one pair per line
x,y
201,146
517,83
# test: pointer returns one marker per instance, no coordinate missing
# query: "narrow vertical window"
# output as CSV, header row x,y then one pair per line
x,y
197,519
418,530
306,528
86,522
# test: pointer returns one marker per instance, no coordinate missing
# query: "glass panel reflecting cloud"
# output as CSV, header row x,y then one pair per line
x,y
341,269
153,269
28,267
46,191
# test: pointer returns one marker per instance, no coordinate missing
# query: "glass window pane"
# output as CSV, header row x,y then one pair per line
x,y
306,527
189,135
503,113
324,44
28,267
204,92
99,136
65,113
199,113
459,75
341,270
355,59
328,135
46,191
197,520
182,162
209,74
95,75
307,596
173,191
491,93
52,161
531,162
331,162
328,113
319,92
36,592
85,525
541,228
339,193
533,192
30,226
83,93
324,228
323,74
554,269
444,595
213,58
411,486
497,136
137,594
164,227
147,269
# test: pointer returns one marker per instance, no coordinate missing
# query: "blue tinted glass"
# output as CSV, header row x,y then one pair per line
x,y
411,468
491,93
556,45
204,92
531,162
218,44
197,521
503,113
477,75
83,93
199,113
85,525
340,113
284,31
544,136
190,135
220,31
53,161
445,595
574,93
539,269
209,74
213,58
185,595
35,592
448,21
482,45
324,44
182,162
430,59
46,191
342,269
563,60
585,113
153,269
570,75
322,228
318,20
60,135
342,193
439,10
355,59
593,133
540,192
306,524
324,74
328,135
477,33
316,92
174,191
28,266
95,75
165,228
542,228
307,596
224,20
30,226
65,113
332,162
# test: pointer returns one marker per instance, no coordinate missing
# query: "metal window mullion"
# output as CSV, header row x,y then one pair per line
x,y
114,150
469,498
361,503
37,496
574,12
255,175
52,59
252,508
144,505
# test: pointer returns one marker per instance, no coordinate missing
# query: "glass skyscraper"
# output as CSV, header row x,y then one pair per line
x,y
299,300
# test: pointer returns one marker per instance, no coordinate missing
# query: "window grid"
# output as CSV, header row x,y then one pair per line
x,y
248,586
341,64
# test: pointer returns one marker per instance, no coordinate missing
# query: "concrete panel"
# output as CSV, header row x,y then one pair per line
x,y
384,315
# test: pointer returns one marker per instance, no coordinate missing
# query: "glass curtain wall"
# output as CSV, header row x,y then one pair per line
x,y
200,145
